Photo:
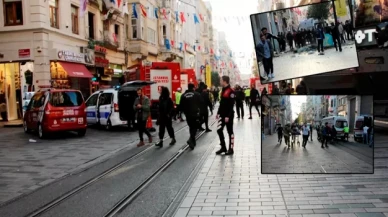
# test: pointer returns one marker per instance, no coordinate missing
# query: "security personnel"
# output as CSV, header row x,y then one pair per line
x,y
225,116
204,114
178,96
190,102
240,97
247,96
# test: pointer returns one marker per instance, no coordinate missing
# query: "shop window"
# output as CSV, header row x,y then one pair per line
x,y
66,99
91,25
54,13
74,19
134,28
13,12
38,101
92,101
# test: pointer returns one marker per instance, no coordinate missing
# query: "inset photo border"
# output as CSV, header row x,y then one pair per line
x,y
341,142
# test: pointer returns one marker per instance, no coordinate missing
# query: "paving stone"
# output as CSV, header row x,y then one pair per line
x,y
370,214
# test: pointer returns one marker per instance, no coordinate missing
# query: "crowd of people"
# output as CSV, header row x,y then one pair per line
x,y
266,49
325,134
195,104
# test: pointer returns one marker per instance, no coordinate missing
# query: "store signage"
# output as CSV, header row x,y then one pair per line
x,y
99,49
101,62
109,72
71,56
365,37
163,78
89,56
24,53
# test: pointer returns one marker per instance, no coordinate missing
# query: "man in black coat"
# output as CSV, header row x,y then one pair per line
x,y
190,104
255,98
204,114
240,96
336,37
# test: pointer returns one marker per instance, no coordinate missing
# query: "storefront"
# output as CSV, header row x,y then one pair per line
x,y
16,79
118,73
101,64
69,70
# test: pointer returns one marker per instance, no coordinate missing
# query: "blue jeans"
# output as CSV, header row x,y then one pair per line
x,y
365,137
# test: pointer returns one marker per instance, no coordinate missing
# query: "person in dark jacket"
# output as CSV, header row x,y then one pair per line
x,y
320,36
301,89
275,90
325,134
166,108
225,116
204,114
190,102
336,36
240,96
255,98
142,107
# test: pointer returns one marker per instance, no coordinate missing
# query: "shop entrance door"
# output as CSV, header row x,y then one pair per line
x,y
10,87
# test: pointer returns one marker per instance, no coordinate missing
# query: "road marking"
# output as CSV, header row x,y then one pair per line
x,y
323,169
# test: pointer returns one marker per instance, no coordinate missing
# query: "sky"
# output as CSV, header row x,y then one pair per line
x,y
296,103
239,36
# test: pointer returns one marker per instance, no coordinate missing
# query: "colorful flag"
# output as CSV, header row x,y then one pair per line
x,y
172,43
125,7
183,17
118,3
196,19
201,17
84,6
199,47
114,37
164,13
211,51
134,10
143,10
156,13
176,16
180,46
194,47
167,43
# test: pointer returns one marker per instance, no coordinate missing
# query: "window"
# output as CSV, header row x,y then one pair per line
x,y
117,33
74,19
134,28
341,124
92,101
91,25
66,99
151,36
13,12
54,13
105,99
164,31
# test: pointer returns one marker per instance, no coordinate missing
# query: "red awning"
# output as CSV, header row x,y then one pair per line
x,y
76,70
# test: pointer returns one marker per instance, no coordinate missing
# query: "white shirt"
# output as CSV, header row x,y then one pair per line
x,y
306,130
366,129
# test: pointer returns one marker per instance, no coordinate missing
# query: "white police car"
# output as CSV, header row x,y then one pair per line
x,y
114,106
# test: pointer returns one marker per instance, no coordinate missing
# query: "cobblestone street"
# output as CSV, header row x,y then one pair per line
x,y
289,65
340,157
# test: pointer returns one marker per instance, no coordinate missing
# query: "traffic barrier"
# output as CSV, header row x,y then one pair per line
x,y
149,125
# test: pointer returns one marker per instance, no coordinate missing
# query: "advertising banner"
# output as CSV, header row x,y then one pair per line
x,y
184,82
340,8
162,78
208,76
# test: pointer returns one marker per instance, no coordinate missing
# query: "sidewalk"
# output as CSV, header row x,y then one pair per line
x,y
233,186
341,157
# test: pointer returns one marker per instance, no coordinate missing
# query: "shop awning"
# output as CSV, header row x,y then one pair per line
x,y
76,70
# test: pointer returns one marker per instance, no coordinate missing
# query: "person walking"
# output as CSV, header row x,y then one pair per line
x,y
311,131
365,134
247,96
306,132
320,35
166,109
254,98
325,135
178,96
142,106
287,134
336,36
206,103
240,96
265,53
190,102
225,116
280,130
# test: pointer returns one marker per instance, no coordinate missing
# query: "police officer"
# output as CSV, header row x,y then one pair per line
x,y
206,103
190,102
225,116
178,96
240,97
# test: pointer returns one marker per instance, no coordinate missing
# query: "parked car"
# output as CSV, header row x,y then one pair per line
x,y
113,107
55,110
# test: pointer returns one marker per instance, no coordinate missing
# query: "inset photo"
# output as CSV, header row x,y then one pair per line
x,y
317,134
303,41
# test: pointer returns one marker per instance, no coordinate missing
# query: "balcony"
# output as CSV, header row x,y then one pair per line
x,y
138,49
111,40
112,6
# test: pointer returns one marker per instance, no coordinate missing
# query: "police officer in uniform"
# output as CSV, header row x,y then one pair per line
x,y
190,102
225,116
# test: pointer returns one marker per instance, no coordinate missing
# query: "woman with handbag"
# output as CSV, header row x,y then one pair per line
x,y
166,109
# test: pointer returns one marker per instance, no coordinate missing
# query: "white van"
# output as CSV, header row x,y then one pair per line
x,y
113,107
359,125
339,123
